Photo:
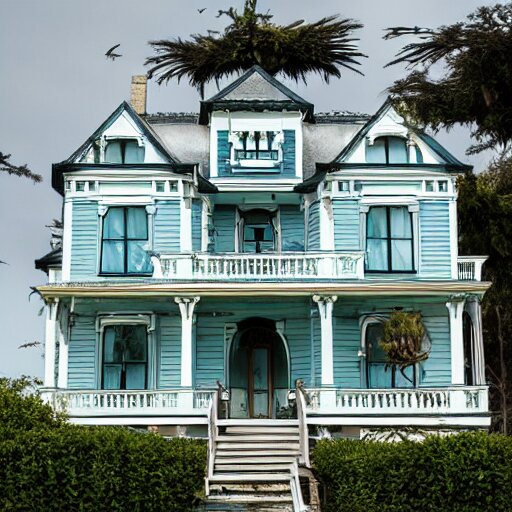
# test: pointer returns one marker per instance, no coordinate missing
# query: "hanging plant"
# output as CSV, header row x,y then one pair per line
x,y
404,339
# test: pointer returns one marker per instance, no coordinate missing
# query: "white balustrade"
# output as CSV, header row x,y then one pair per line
x,y
459,400
116,403
470,267
264,266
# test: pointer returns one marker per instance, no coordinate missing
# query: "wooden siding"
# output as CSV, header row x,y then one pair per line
x,y
292,228
197,212
223,153
289,152
346,345
435,239
84,242
169,353
82,354
224,225
346,225
167,226
313,238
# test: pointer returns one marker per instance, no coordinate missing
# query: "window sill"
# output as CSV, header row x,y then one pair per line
x,y
103,274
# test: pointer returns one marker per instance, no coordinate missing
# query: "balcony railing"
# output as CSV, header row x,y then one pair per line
x,y
130,403
470,267
264,266
435,401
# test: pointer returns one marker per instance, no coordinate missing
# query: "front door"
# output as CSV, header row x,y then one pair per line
x,y
260,381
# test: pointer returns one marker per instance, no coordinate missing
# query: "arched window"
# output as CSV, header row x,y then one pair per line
x,y
378,374
387,150
468,338
124,151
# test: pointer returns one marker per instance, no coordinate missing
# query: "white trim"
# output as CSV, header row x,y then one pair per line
x,y
139,420
325,308
454,239
406,420
185,218
67,240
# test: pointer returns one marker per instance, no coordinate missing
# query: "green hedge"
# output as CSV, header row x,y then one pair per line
x,y
469,472
99,469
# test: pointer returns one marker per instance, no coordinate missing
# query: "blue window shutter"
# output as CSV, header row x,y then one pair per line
x,y
289,153
197,210
223,156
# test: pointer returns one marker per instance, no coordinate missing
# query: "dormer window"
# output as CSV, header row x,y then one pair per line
x,y
257,145
387,150
124,151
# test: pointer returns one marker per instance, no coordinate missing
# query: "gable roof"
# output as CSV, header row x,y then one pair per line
x,y
256,90
142,125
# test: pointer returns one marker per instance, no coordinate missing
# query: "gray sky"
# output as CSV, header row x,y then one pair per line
x,y
56,88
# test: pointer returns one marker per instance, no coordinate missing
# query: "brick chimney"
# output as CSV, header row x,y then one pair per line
x,y
139,93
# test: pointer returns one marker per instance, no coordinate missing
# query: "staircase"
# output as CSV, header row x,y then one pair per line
x,y
253,466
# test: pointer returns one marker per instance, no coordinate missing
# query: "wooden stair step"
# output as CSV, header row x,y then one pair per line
x,y
252,467
249,487
232,444
256,460
263,430
221,453
257,498
250,477
257,422
250,438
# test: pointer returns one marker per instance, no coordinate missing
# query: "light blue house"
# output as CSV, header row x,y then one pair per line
x,y
255,244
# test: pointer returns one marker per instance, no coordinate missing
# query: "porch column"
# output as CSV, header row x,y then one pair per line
x,y
186,305
455,309
474,308
50,343
325,306
63,333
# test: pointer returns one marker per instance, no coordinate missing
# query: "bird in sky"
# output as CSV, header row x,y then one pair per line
x,y
200,11
111,53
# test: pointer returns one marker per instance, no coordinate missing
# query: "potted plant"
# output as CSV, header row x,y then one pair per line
x,y
404,339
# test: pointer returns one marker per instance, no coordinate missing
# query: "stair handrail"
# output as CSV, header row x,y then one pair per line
x,y
298,500
213,431
301,400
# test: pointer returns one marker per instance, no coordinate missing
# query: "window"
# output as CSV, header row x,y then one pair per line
x,y
429,186
378,374
389,240
80,186
443,186
258,227
125,357
124,151
124,243
160,186
256,145
387,150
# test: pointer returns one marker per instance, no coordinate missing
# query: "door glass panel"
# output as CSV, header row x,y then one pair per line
x,y
135,376
260,381
112,376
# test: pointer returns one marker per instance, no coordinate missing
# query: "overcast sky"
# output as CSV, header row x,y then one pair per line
x,y
57,87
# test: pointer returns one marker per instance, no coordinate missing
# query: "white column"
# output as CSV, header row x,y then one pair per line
x,y
186,305
325,307
50,343
455,309
62,330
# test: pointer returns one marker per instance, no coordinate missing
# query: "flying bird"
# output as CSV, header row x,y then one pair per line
x,y
200,11
111,54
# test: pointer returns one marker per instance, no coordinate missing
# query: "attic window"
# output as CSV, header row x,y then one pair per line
x,y
256,145
387,150
124,151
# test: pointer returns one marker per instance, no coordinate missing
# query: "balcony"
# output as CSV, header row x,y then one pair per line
x,y
262,267
470,267
372,404
112,403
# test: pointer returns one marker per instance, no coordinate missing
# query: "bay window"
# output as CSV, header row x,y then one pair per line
x,y
389,239
124,151
125,242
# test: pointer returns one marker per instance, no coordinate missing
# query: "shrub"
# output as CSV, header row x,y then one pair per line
x,y
47,464
469,472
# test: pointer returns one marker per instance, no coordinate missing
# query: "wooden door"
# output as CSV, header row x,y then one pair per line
x,y
260,381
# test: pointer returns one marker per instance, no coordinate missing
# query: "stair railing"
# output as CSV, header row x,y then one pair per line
x,y
301,401
213,432
298,500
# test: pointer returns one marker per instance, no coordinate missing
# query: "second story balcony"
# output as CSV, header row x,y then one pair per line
x,y
262,266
